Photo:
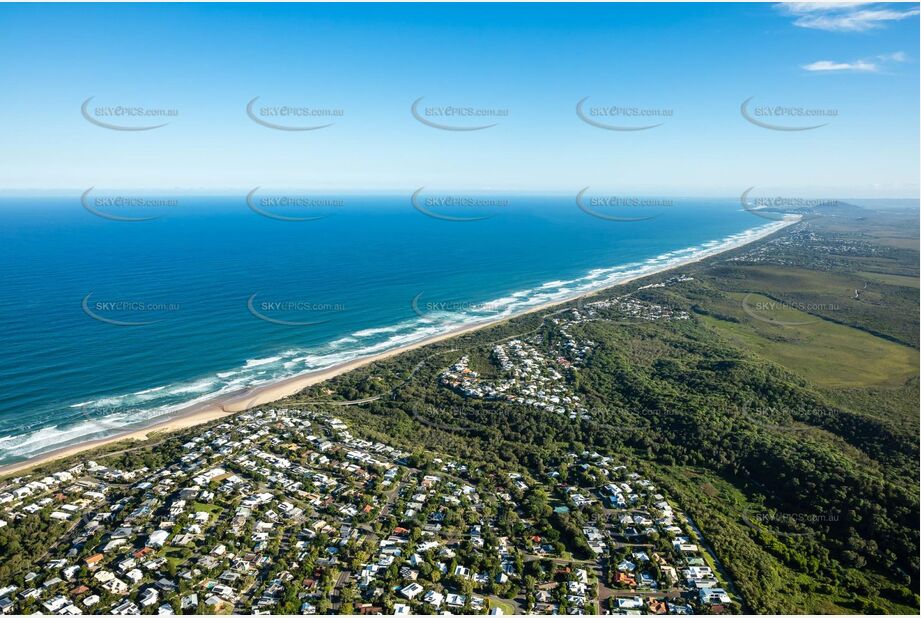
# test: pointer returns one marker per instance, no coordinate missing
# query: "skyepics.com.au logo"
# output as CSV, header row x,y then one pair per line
x,y
779,313
794,420
775,208
107,414
126,312
104,415
130,208
293,207
457,117
293,117
455,420
429,308
117,117
457,207
788,524
622,117
292,312
623,208
786,117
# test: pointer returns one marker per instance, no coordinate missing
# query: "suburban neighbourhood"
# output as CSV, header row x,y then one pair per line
x,y
286,510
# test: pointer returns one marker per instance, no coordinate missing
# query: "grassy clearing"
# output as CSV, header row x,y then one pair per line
x,y
899,242
507,608
900,280
888,308
826,353
207,508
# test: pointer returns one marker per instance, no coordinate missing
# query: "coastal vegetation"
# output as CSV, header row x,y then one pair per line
x,y
792,439
776,400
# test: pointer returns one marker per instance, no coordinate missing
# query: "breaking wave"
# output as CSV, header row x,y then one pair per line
x,y
97,418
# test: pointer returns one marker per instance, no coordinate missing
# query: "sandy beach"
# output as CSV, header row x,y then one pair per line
x,y
233,403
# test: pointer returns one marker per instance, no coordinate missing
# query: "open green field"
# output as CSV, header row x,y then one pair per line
x,y
885,302
826,353
895,240
507,608
830,294
790,280
208,508
176,556
902,280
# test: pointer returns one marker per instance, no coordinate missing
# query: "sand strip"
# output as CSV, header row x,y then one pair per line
x,y
232,403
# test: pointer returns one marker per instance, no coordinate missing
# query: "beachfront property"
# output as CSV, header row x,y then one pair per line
x,y
535,378
288,511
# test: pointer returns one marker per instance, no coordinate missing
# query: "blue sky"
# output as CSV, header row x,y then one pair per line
x,y
700,62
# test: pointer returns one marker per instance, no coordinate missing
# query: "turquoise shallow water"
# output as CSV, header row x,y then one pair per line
x,y
111,323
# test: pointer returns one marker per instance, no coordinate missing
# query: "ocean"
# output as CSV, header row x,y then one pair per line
x,y
120,310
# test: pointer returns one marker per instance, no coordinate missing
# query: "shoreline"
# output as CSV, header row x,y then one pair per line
x,y
233,403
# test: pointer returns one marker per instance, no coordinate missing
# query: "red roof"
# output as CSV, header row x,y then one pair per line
x,y
623,578
657,607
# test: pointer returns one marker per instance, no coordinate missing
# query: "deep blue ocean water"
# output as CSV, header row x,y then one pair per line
x,y
110,323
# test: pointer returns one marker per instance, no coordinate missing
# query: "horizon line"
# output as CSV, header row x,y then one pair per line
x,y
242,191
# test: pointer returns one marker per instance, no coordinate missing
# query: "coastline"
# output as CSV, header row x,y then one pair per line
x,y
233,403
